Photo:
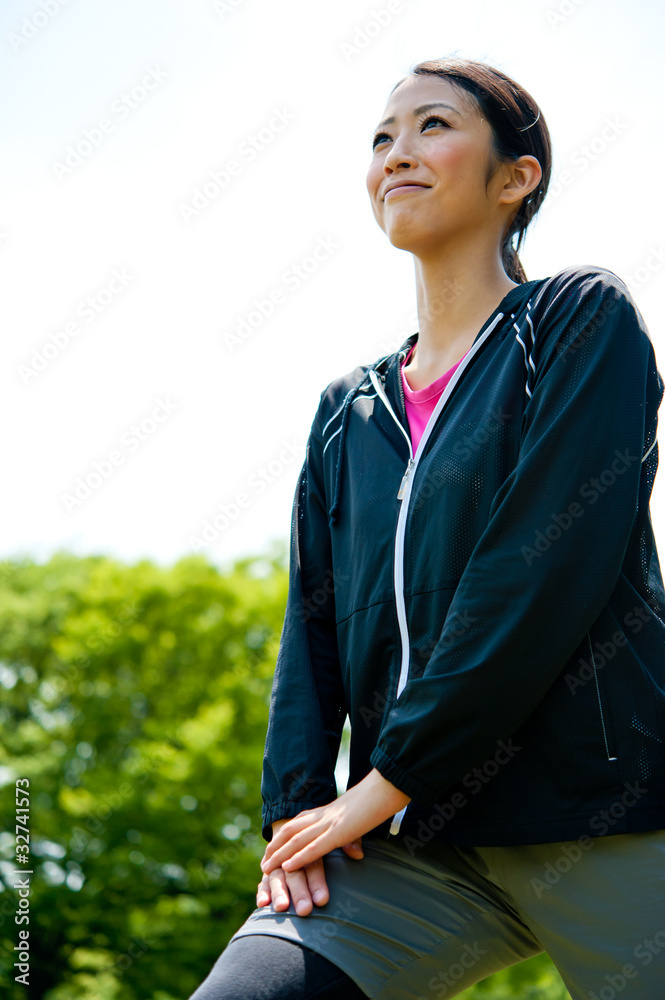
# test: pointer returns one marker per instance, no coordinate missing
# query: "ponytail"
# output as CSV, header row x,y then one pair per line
x,y
512,264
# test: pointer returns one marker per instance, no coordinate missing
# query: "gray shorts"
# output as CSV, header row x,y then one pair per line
x,y
431,925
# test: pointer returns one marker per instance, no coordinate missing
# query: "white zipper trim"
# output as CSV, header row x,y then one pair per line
x,y
404,495
600,704
382,393
335,433
339,410
646,455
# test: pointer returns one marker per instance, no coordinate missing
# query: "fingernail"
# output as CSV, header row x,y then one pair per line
x,y
318,895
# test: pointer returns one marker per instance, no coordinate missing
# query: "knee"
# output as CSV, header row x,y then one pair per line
x,y
255,967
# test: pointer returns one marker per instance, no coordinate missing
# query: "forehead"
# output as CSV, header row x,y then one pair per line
x,y
416,90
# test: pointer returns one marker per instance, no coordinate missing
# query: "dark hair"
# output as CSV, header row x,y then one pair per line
x,y
518,129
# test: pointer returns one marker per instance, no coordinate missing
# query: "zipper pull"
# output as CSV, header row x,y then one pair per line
x,y
402,485
397,820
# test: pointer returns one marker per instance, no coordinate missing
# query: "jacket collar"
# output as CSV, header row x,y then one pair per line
x,y
388,370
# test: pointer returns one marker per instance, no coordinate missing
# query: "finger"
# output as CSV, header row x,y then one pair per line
x,y
297,842
316,880
276,886
277,841
294,823
294,885
354,845
300,892
305,888
353,851
263,892
312,852
280,890
287,832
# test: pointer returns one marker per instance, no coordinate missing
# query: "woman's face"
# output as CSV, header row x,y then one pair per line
x,y
434,151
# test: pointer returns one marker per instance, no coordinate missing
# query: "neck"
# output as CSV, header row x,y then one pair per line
x,y
456,293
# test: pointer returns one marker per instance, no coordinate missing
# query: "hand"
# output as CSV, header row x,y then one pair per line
x,y
306,887
315,832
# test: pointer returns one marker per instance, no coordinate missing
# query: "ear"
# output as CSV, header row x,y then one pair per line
x,y
521,176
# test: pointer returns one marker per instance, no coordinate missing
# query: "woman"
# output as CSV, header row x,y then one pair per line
x,y
474,580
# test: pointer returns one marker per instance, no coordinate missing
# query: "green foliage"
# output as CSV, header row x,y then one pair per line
x,y
135,700
536,979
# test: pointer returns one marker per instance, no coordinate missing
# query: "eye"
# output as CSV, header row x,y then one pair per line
x,y
422,122
379,137
429,119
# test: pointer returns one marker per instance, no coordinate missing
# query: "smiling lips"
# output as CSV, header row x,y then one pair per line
x,y
401,188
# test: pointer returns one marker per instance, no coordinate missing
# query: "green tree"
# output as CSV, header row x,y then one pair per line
x,y
135,701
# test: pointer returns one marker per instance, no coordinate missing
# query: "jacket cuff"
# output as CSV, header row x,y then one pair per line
x,y
400,778
284,809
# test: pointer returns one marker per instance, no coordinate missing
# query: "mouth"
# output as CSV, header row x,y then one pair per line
x,y
403,188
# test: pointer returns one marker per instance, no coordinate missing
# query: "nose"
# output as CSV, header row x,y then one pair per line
x,y
399,156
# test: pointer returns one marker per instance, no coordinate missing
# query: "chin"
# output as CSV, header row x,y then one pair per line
x,y
405,237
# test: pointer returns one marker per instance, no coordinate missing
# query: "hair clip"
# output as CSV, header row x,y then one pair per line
x,y
532,123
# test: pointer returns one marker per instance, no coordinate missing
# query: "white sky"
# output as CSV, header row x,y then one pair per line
x,y
218,77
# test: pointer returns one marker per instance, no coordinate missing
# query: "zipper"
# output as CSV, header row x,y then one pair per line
x,y
405,478
600,704
404,496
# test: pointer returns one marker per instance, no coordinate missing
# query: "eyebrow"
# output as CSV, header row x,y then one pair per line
x,y
417,111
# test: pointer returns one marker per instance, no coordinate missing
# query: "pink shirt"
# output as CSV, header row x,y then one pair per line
x,y
421,402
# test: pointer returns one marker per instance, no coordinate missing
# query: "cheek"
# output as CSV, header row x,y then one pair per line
x,y
460,163
373,179
377,212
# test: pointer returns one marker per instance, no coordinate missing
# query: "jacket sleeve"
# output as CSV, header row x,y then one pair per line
x,y
307,704
554,545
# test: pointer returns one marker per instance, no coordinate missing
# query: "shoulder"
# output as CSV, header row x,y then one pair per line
x,y
332,400
587,297
337,390
584,317
583,283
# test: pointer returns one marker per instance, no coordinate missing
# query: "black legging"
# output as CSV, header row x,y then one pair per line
x,y
266,967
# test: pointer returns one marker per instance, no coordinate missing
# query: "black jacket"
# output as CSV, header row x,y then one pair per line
x,y
489,612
